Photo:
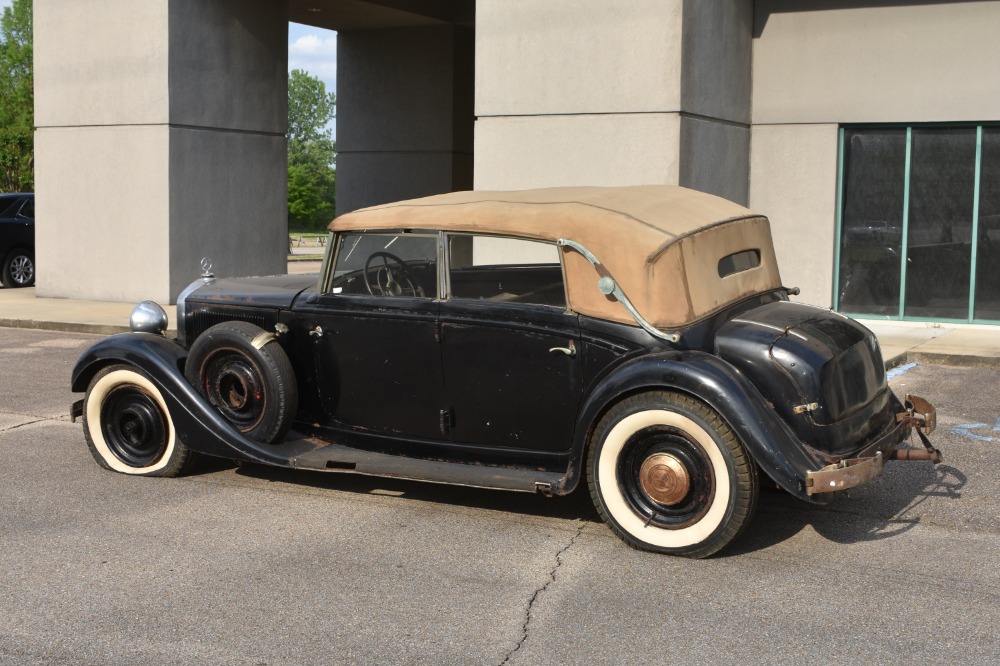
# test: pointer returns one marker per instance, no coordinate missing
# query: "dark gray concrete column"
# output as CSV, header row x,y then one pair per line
x,y
715,97
159,140
404,113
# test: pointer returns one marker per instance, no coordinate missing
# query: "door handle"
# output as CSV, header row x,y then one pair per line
x,y
569,350
317,332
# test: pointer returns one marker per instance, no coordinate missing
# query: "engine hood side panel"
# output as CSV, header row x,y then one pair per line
x,y
256,300
274,292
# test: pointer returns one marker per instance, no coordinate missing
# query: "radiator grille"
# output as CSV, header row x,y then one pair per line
x,y
202,320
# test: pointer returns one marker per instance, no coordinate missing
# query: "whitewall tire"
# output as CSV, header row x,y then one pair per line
x,y
128,426
668,475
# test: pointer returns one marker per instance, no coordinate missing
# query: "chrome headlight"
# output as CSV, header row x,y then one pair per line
x,y
148,317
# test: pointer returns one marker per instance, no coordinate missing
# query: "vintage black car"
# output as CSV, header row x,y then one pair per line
x,y
17,239
639,338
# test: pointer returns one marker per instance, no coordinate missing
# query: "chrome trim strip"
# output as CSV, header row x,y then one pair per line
x,y
609,287
325,280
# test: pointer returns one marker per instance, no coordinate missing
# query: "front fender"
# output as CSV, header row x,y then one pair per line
x,y
196,423
153,353
722,387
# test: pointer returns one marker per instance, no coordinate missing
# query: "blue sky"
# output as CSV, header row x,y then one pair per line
x,y
314,50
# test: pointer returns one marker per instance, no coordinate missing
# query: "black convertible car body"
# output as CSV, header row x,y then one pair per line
x,y
635,339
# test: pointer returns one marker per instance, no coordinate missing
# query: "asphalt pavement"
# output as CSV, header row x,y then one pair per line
x,y
256,565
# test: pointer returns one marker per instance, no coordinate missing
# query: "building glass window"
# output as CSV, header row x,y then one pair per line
x,y
987,296
919,223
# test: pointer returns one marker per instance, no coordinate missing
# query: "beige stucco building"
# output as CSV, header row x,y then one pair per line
x,y
868,131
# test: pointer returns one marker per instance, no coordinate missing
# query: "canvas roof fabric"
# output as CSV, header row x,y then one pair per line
x,y
661,243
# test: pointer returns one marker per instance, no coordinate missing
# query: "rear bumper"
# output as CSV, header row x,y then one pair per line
x,y
916,414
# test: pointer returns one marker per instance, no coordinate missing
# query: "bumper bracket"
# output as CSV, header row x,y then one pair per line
x,y
919,416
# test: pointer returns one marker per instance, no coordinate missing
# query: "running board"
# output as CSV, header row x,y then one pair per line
x,y
339,458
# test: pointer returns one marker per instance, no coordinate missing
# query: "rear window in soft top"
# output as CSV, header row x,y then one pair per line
x,y
738,262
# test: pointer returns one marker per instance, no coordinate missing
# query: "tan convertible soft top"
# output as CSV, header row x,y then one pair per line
x,y
662,244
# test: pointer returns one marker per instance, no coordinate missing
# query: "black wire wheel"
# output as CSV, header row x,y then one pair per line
x,y
18,269
128,427
247,377
668,475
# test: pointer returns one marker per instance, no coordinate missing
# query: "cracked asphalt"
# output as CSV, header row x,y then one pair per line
x,y
254,565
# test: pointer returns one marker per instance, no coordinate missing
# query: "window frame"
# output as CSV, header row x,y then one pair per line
x,y
328,268
445,289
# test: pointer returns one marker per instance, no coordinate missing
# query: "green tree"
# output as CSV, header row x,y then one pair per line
x,y
17,100
312,153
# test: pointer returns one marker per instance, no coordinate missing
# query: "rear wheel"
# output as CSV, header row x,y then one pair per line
x,y
668,475
18,269
128,427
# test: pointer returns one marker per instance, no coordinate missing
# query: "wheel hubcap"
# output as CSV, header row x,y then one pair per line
x,y
236,388
21,269
665,479
133,426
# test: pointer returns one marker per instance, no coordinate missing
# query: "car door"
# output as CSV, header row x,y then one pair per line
x,y
509,346
15,228
375,336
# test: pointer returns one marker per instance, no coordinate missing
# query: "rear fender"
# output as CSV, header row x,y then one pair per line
x,y
723,388
196,423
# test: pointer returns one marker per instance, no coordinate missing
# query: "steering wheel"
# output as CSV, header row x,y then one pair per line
x,y
392,278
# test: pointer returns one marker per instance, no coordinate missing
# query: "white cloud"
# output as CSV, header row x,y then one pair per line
x,y
325,70
313,46
315,51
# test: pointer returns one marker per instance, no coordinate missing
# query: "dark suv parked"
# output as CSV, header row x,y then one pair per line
x,y
17,239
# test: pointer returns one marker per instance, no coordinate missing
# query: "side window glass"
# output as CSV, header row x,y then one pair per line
x,y
386,264
509,270
28,210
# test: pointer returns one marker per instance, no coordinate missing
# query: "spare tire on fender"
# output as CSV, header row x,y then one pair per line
x,y
254,389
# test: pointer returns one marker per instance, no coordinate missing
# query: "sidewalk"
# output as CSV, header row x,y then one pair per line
x,y
901,342
950,344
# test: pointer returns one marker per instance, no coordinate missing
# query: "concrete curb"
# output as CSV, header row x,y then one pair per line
x,y
70,327
64,326
961,360
897,360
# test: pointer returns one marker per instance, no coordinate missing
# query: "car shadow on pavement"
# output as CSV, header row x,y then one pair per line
x,y
887,508
891,506
575,506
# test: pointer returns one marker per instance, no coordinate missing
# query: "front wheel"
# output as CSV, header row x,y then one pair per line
x,y
668,475
128,426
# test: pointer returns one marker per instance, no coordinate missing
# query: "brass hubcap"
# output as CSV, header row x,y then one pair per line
x,y
665,479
